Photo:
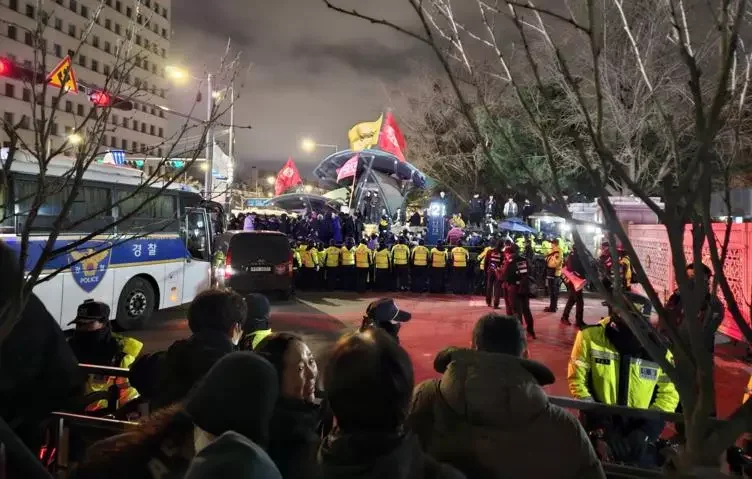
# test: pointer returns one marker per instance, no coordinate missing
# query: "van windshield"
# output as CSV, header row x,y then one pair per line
x,y
246,248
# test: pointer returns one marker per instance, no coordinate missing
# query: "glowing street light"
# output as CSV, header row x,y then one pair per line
x,y
75,139
176,73
204,166
309,145
308,188
271,180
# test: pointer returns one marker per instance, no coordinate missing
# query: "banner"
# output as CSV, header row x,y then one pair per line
x,y
365,135
348,169
391,138
287,177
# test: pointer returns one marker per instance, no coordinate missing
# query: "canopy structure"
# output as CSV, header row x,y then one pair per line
x,y
300,202
378,171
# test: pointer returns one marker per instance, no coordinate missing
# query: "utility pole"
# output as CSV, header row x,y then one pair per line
x,y
209,177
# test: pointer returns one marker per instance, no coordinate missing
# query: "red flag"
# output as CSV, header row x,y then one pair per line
x,y
390,138
348,169
287,177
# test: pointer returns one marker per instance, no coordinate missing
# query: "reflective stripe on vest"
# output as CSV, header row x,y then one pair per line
x,y
381,259
420,256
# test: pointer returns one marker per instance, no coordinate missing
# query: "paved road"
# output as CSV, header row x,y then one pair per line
x,y
439,321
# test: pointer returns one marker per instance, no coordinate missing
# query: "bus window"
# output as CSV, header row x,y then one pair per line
x,y
6,213
196,234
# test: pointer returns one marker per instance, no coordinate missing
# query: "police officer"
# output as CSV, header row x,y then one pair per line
x,y
438,268
382,267
256,326
419,263
400,259
347,261
332,262
480,287
93,342
609,365
492,263
309,256
625,268
363,262
554,262
460,258
516,280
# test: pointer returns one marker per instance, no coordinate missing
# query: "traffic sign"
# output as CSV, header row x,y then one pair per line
x,y
63,76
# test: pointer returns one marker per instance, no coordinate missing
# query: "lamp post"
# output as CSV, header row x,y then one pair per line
x,y
309,145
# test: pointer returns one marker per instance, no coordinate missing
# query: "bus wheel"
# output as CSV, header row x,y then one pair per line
x,y
136,304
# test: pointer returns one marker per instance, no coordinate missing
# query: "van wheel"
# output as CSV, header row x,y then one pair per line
x,y
136,304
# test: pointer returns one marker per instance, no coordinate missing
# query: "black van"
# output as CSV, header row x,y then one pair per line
x,y
256,262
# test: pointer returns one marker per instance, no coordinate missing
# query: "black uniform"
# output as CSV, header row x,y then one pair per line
x,y
517,288
574,297
492,265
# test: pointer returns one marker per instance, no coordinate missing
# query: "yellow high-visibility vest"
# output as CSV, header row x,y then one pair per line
x,y
459,257
362,256
482,255
400,253
420,256
322,256
332,257
381,259
310,258
130,349
348,256
438,258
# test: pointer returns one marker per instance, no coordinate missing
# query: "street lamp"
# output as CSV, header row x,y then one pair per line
x,y
75,139
308,188
271,180
204,167
308,145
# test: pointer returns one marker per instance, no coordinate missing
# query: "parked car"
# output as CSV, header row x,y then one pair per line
x,y
256,262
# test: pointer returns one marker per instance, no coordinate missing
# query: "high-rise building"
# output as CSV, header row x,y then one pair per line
x,y
133,29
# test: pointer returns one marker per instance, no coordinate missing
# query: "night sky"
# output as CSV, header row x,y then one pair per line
x,y
315,72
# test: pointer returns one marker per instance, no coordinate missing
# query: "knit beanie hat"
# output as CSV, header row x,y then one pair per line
x,y
258,313
237,394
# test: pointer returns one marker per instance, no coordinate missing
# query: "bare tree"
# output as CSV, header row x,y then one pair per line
x,y
687,79
32,143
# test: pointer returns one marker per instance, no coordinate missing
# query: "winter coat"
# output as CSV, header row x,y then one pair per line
x,y
336,227
234,456
489,416
293,437
379,456
166,377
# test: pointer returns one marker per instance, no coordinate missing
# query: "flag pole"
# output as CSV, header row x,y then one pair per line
x,y
352,192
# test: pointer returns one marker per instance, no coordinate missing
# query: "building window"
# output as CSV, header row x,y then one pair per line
x,y
161,113
164,33
107,47
8,117
80,110
119,6
28,39
143,148
82,60
138,40
53,129
58,24
30,11
151,130
84,11
164,53
125,122
114,119
153,112
113,142
26,94
12,32
24,123
143,127
117,28
108,24
95,65
135,125
161,132
72,30
10,90
71,53
134,146
146,65
153,69
68,106
68,130
95,41
164,12
58,50
73,5
124,144
139,19
13,5
146,43
106,70
128,12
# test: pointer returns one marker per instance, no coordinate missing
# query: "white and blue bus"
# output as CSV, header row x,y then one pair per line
x,y
160,256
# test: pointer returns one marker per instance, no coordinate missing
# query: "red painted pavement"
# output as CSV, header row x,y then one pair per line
x,y
445,320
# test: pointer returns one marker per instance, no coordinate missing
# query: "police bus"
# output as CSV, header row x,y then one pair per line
x,y
158,258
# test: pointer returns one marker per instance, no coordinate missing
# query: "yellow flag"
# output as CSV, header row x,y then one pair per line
x,y
365,135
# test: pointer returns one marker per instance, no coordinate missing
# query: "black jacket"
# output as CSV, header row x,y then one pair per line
x,y
294,438
379,456
166,377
